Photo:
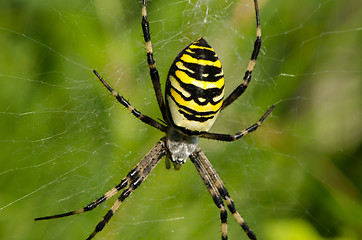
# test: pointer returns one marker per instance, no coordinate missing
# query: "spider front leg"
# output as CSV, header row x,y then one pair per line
x,y
135,112
247,77
230,138
155,77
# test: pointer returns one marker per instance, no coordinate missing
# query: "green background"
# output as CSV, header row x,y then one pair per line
x,y
64,140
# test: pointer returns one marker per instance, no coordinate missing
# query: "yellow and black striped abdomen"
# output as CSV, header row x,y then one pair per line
x,y
195,88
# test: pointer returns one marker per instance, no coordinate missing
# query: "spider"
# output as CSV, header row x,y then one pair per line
x,y
194,96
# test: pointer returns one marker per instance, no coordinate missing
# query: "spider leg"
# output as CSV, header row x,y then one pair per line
x,y
155,77
247,77
211,172
213,192
134,111
95,203
152,158
131,176
230,138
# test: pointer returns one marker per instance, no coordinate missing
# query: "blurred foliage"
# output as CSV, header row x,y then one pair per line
x,y
64,141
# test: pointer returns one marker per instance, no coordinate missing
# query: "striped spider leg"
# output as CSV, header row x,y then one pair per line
x,y
236,136
133,180
217,190
247,76
155,77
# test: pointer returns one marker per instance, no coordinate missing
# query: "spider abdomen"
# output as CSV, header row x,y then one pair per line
x,y
195,88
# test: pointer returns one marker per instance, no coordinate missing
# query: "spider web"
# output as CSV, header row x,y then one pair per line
x,y
65,141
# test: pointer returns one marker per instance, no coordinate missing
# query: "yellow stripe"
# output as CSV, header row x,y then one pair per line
x,y
175,84
198,83
181,121
201,47
202,62
193,105
180,65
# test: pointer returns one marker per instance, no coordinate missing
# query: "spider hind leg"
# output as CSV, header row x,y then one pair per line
x,y
218,192
132,181
149,162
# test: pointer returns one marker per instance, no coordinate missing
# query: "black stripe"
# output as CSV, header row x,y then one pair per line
x,y
201,42
202,53
188,131
122,184
248,231
223,192
146,29
257,45
196,92
223,215
193,117
192,111
95,204
231,206
150,59
125,194
133,173
197,71
208,99
136,183
247,77
102,223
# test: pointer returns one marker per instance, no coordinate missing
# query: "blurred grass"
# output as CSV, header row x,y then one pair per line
x,y
64,141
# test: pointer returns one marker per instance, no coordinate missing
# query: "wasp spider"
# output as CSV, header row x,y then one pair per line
x,y
194,96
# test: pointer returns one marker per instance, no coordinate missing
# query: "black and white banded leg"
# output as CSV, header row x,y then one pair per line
x,y
247,77
218,192
133,180
135,112
155,77
214,194
205,163
230,138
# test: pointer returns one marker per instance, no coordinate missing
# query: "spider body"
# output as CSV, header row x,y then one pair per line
x,y
194,96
